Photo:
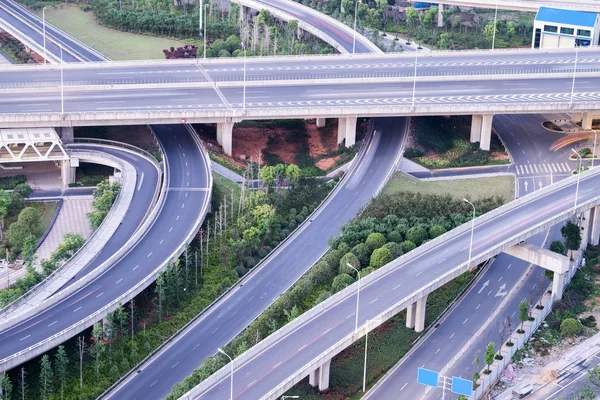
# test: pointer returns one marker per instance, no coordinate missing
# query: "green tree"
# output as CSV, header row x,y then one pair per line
x,y
292,174
417,235
570,327
68,247
585,393
558,247
380,257
23,189
490,351
46,376
523,312
436,230
104,197
60,367
572,235
98,347
5,201
394,248
594,376
340,282
29,249
488,31
363,253
349,258
412,15
407,246
375,241
6,388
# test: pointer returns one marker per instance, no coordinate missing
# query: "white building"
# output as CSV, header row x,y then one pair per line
x,y
555,28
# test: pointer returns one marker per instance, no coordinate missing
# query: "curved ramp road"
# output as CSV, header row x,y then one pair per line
x,y
232,314
306,67
186,202
261,370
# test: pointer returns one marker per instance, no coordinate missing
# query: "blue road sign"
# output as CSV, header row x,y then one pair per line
x,y
427,377
462,386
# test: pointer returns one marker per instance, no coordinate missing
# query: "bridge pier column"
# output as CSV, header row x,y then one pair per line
x,y
66,134
68,171
594,237
586,120
420,314
440,16
321,122
476,121
558,283
347,131
486,132
410,315
225,136
320,376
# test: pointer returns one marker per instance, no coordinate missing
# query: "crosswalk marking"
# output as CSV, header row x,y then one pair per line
x,y
525,169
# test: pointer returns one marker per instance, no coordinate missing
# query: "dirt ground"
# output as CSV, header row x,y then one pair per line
x,y
251,141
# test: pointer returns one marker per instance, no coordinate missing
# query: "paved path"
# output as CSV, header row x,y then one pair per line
x,y
70,219
409,166
227,173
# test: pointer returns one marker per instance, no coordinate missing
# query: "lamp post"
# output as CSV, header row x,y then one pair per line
x,y
62,82
354,32
414,80
231,360
495,22
357,295
44,30
200,17
578,178
472,229
365,364
594,151
574,71
244,95
205,7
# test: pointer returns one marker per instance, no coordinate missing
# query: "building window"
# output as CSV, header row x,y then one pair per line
x,y
550,28
583,32
567,31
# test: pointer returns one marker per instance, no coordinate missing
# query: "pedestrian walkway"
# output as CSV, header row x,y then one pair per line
x,y
71,219
409,166
536,169
227,173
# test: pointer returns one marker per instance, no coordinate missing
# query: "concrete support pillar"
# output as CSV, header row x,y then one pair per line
x,y
321,122
476,128
595,226
586,120
410,315
225,136
244,11
347,131
68,171
486,132
66,134
320,376
420,314
440,16
558,283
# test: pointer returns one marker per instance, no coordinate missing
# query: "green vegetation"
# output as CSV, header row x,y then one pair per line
x,y
89,174
570,327
14,50
82,25
10,182
362,244
476,188
444,143
104,196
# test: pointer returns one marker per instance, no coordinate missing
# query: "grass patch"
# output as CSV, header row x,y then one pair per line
x,y
476,188
116,45
223,187
47,212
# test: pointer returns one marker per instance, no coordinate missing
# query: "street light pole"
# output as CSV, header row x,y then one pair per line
x,y
495,22
44,29
415,80
62,82
574,71
354,32
594,151
578,178
200,17
244,96
365,365
231,360
472,229
205,7
357,295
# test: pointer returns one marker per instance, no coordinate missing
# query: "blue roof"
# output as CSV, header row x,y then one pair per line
x,y
581,18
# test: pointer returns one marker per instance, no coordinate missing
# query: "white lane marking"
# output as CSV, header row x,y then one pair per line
x,y
374,301
234,314
437,351
161,242
77,309
277,365
404,386
183,205
177,219
478,305
396,287
136,267
441,261
349,315
141,180
513,314
490,292
302,348
170,229
500,279
24,338
451,336
100,294
53,323
250,299
465,321
119,281
154,383
174,365
195,347
215,330
149,254
509,265
419,273
252,383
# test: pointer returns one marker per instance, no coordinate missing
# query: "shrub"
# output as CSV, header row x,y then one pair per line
x,y
349,258
417,235
375,241
436,230
333,258
411,152
394,248
250,262
240,271
343,247
589,322
394,236
322,273
558,247
363,253
380,257
322,297
340,282
407,246
570,327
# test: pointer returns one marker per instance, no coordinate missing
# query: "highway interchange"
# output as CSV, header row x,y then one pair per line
x,y
382,131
